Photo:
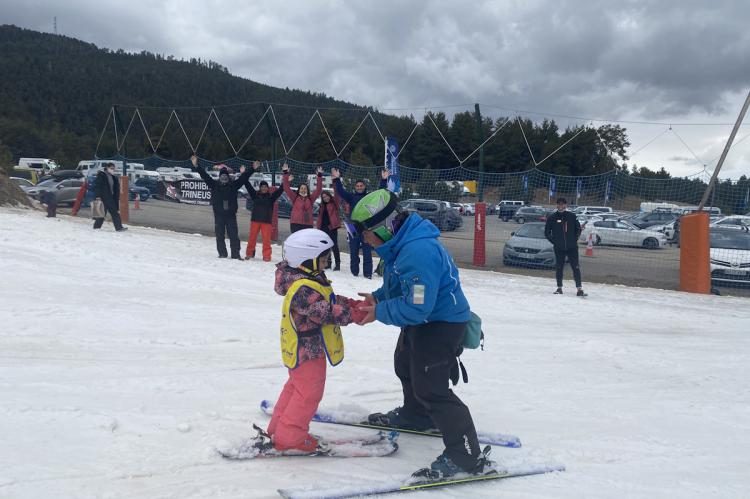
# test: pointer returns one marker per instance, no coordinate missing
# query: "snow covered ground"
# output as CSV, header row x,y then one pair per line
x,y
125,358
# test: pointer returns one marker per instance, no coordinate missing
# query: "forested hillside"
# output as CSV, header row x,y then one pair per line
x,y
56,93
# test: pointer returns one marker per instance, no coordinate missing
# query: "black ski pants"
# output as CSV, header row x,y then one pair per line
x,y
114,210
334,235
226,223
572,255
423,360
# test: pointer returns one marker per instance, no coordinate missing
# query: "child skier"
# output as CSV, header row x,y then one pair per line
x,y
310,333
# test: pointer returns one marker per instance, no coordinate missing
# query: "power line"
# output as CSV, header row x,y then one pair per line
x,y
355,108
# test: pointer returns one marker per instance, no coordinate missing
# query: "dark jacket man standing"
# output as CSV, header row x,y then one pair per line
x,y
356,242
224,202
563,230
107,189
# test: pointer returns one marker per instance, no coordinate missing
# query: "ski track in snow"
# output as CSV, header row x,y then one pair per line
x,y
126,358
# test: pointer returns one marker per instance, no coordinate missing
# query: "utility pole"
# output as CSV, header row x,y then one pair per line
x,y
480,187
712,182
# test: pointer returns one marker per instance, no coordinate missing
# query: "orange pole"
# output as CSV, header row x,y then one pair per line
x,y
124,199
695,251
79,197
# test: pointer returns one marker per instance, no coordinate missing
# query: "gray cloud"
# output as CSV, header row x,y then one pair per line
x,y
637,60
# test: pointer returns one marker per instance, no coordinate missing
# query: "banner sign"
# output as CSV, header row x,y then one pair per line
x,y
391,162
186,191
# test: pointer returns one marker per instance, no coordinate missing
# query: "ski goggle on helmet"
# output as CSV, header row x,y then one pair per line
x,y
375,212
305,247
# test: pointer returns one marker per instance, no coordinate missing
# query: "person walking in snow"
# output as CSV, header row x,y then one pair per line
x,y
329,221
311,317
107,189
262,216
356,242
563,230
302,201
224,203
422,295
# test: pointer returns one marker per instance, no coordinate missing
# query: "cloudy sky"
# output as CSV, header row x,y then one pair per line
x,y
674,62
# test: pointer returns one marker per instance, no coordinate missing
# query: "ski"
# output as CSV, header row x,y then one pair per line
x,y
373,489
260,446
499,439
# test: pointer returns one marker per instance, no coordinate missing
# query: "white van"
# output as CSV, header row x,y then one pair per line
x,y
40,165
136,171
592,210
90,167
648,207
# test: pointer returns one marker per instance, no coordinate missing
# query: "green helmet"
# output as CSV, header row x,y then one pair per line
x,y
374,212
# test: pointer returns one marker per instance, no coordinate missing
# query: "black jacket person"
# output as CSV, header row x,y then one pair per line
x,y
262,216
563,230
107,189
224,203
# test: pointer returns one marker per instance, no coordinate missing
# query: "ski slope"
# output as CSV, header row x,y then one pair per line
x,y
125,358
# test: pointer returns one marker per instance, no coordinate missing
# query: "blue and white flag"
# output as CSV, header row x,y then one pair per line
x,y
579,188
525,184
607,191
552,187
391,162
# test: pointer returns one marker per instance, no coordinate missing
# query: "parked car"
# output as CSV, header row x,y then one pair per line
x,y
68,190
23,183
65,191
618,233
468,209
47,185
136,190
529,248
733,222
590,210
458,207
530,214
654,218
62,175
445,219
30,175
730,256
507,209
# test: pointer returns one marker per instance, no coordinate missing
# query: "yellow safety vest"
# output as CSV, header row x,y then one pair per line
x,y
333,342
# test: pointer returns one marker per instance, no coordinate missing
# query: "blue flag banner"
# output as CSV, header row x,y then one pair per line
x,y
525,184
579,188
391,162
552,187
607,191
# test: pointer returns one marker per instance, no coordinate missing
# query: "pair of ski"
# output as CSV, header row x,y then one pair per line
x,y
382,443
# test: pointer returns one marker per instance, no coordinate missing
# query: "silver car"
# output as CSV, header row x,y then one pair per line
x,y
529,247
65,191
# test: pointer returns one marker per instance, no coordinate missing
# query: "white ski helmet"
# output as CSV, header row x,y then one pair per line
x,y
304,245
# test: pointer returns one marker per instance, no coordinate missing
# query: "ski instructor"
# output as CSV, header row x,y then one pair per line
x,y
421,294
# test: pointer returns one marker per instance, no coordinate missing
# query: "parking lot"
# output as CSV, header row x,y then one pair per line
x,y
612,265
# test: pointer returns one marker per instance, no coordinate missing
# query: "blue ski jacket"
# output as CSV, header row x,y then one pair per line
x,y
420,280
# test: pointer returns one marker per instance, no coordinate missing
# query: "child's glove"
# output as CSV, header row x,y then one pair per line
x,y
354,309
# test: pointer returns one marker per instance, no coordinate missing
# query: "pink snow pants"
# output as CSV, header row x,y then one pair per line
x,y
297,403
